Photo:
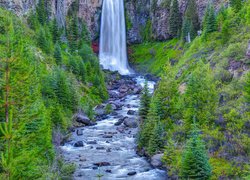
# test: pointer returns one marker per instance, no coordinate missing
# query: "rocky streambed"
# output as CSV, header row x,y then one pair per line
x,y
107,149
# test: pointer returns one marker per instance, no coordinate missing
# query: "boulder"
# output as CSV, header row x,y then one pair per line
x,y
119,122
130,122
100,110
92,142
156,160
132,173
79,132
102,164
107,136
78,144
83,119
131,112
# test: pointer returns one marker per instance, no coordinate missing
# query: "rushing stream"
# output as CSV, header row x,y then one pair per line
x,y
110,150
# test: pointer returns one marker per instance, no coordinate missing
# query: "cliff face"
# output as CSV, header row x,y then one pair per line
x,y
138,13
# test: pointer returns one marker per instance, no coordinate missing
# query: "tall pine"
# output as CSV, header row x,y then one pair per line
x,y
236,5
195,164
175,19
144,102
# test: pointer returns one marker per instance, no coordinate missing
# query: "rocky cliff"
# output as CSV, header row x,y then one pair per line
x,y
138,14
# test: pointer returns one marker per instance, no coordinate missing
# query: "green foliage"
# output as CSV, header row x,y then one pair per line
x,y
175,19
42,95
156,142
191,20
236,5
209,21
146,32
58,54
195,164
200,97
55,31
41,12
144,102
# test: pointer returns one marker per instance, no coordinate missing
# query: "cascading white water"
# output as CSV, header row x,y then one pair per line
x,y
113,50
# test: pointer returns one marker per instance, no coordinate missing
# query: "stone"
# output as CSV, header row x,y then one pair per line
x,y
132,173
92,142
82,159
99,164
83,119
79,132
78,144
130,122
100,148
107,136
156,161
131,112
108,171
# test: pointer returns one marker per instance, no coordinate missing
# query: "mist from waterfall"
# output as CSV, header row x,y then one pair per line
x,y
113,50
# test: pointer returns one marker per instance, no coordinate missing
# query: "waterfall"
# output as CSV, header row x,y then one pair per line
x,y
113,50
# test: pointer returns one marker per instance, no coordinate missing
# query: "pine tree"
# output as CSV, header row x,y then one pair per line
x,y
55,31
174,19
156,142
41,12
191,20
209,21
195,164
73,34
144,102
58,54
225,34
42,41
236,5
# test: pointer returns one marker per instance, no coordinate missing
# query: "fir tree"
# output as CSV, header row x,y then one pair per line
x,y
156,142
55,31
73,34
41,12
58,54
174,19
236,5
209,22
144,102
41,40
247,89
191,20
195,164
225,34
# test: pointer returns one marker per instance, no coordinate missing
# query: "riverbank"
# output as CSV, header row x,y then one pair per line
x,y
107,148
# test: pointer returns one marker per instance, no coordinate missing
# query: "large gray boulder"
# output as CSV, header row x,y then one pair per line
x,y
83,119
130,122
156,161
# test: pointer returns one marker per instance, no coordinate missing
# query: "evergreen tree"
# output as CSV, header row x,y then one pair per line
x,y
73,34
175,19
210,20
191,20
156,142
200,98
195,164
225,34
41,12
144,102
236,5
58,54
55,31
41,40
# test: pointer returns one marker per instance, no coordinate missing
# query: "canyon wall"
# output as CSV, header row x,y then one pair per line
x,y
138,14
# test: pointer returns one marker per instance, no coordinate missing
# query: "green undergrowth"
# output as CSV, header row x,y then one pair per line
x,y
207,81
151,57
